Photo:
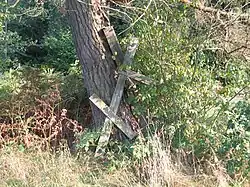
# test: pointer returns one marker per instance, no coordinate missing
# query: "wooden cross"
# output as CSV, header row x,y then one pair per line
x,y
111,111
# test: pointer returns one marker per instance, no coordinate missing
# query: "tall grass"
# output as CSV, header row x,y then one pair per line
x,y
157,169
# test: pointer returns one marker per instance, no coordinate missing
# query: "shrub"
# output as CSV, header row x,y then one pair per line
x,y
33,110
191,100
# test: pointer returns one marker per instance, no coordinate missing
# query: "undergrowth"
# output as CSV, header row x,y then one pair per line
x,y
28,168
33,110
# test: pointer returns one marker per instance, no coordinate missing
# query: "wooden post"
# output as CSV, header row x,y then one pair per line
x,y
114,45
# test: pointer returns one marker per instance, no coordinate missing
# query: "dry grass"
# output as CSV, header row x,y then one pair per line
x,y
161,169
44,169
39,169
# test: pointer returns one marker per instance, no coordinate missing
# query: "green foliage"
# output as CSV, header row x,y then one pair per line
x,y
20,88
37,36
88,141
2,16
10,43
195,87
235,148
60,49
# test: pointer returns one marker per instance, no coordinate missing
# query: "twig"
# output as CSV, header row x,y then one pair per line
x,y
244,17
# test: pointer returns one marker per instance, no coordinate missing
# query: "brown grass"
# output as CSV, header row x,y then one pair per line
x,y
45,169
28,168
40,169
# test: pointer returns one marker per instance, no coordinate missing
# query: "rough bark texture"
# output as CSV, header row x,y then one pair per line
x,y
87,19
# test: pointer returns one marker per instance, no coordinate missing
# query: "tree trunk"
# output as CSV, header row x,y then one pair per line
x,y
87,20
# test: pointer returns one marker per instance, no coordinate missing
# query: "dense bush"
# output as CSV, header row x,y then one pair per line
x,y
192,101
34,107
32,38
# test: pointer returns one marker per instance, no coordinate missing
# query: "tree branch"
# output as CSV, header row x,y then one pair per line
x,y
243,17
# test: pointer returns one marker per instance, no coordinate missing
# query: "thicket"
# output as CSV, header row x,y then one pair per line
x,y
196,112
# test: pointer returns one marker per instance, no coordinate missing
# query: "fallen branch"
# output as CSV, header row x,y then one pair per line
x,y
243,17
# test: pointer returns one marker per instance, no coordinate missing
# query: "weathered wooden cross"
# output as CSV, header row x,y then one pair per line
x,y
110,111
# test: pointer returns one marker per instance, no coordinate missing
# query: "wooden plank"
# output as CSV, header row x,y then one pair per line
x,y
114,45
108,124
112,116
137,77
115,102
130,53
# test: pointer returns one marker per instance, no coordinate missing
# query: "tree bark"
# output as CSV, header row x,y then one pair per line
x,y
87,20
